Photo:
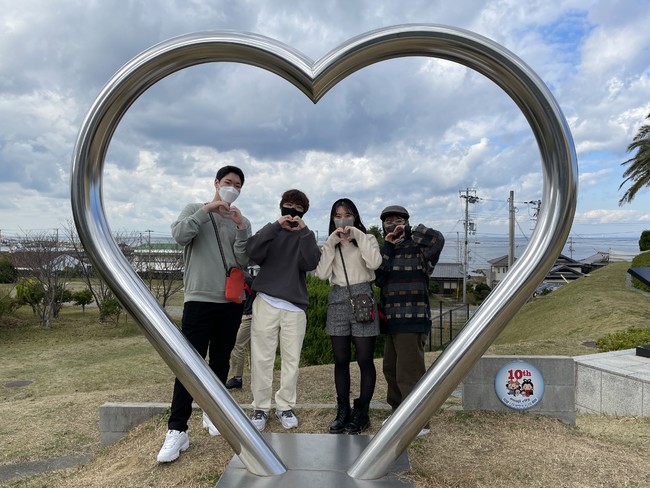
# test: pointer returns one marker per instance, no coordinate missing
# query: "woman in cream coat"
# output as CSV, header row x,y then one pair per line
x,y
349,244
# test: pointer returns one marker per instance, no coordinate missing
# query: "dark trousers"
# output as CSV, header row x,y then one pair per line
x,y
206,326
403,364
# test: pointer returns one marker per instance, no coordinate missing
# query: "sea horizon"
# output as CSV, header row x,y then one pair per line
x,y
484,248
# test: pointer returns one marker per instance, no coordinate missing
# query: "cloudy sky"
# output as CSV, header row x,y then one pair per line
x,y
413,131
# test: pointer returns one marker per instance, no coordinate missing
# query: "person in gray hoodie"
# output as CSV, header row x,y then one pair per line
x,y
285,250
209,319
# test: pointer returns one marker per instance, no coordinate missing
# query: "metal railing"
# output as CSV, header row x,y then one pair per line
x,y
447,325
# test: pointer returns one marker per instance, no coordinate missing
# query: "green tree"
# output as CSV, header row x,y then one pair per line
x,y
45,301
30,292
8,272
434,287
480,292
83,297
376,231
60,296
644,241
638,173
110,310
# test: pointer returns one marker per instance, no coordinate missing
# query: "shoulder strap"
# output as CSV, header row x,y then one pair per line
x,y
345,271
216,232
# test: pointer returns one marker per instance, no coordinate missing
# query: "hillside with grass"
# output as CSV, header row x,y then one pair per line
x,y
569,320
81,363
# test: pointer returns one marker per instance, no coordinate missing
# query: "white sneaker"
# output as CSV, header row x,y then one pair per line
x,y
175,443
208,424
259,419
288,419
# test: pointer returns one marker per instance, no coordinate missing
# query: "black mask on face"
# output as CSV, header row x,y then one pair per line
x,y
292,211
388,229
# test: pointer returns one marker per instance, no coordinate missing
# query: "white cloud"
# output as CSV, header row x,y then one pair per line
x,y
411,131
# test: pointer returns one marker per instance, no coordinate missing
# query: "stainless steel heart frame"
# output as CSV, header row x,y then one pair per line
x,y
314,79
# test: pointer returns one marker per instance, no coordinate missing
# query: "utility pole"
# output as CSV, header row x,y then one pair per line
x,y
511,229
536,208
149,238
469,227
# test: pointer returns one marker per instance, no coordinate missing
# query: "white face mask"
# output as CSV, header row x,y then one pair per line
x,y
228,194
343,223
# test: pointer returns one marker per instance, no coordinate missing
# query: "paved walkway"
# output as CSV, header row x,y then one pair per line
x,y
623,363
10,471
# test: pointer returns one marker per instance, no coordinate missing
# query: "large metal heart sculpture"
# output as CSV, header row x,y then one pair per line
x,y
314,79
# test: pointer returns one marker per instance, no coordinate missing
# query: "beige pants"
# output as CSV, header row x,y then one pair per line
x,y
238,354
270,324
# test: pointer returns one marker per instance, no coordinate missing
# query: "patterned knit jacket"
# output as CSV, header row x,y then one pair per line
x,y
403,278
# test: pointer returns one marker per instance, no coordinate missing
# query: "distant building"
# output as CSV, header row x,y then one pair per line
x,y
595,261
564,270
497,271
449,277
158,258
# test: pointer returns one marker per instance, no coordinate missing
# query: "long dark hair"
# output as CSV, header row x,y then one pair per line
x,y
350,207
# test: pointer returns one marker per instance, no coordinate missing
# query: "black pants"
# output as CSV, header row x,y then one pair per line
x,y
206,326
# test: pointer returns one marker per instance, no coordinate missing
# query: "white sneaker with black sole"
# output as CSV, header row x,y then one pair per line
x,y
175,443
259,419
208,424
287,418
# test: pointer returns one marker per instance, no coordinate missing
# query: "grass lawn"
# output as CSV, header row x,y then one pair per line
x,y
80,363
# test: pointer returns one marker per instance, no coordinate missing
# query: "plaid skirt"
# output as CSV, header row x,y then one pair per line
x,y
340,319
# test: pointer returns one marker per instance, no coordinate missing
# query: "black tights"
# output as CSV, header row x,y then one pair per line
x,y
342,349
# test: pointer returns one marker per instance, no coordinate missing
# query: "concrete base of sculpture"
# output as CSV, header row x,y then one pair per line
x,y
314,461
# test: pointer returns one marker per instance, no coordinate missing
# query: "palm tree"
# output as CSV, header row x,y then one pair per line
x,y
638,173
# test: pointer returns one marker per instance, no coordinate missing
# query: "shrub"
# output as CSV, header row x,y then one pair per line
x,y
30,292
317,346
434,287
628,339
82,298
110,309
644,241
480,292
8,272
640,261
8,305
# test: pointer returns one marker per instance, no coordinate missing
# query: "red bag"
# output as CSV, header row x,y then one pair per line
x,y
235,285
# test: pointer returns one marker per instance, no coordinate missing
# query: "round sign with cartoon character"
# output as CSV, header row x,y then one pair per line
x,y
519,385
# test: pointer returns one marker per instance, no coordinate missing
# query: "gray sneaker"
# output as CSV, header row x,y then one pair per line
x,y
259,419
288,419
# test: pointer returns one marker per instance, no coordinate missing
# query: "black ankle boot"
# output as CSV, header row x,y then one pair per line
x,y
359,420
342,417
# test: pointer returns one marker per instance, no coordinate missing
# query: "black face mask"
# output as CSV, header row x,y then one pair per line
x,y
388,229
292,211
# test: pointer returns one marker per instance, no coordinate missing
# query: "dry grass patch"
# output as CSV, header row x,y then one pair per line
x,y
470,449
464,449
